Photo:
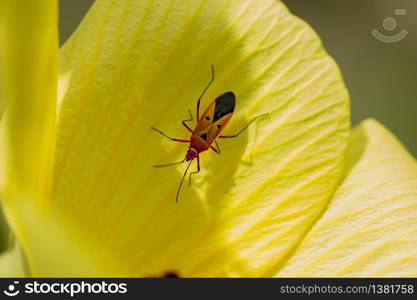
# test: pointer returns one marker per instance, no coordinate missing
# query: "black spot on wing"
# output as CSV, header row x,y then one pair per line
x,y
204,136
225,104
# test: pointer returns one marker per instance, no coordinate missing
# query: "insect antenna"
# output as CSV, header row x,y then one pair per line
x,y
168,165
182,180
204,91
210,82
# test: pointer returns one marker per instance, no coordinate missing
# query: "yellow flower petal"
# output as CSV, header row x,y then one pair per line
x,y
12,263
136,64
370,227
28,87
28,80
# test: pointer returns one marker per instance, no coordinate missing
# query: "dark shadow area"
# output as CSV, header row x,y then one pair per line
x,y
357,146
71,12
4,232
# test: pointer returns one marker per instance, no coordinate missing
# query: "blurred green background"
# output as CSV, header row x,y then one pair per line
x,y
381,77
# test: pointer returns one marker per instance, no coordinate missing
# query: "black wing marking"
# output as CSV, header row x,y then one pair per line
x,y
225,104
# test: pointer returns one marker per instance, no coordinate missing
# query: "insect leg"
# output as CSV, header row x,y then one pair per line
x,y
216,150
204,91
195,172
172,139
242,130
170,164
188,120
182,180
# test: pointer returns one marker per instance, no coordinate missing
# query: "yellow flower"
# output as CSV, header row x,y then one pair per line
x,y
294,195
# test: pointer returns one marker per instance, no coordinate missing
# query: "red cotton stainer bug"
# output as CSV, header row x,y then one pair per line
x,y
208,129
